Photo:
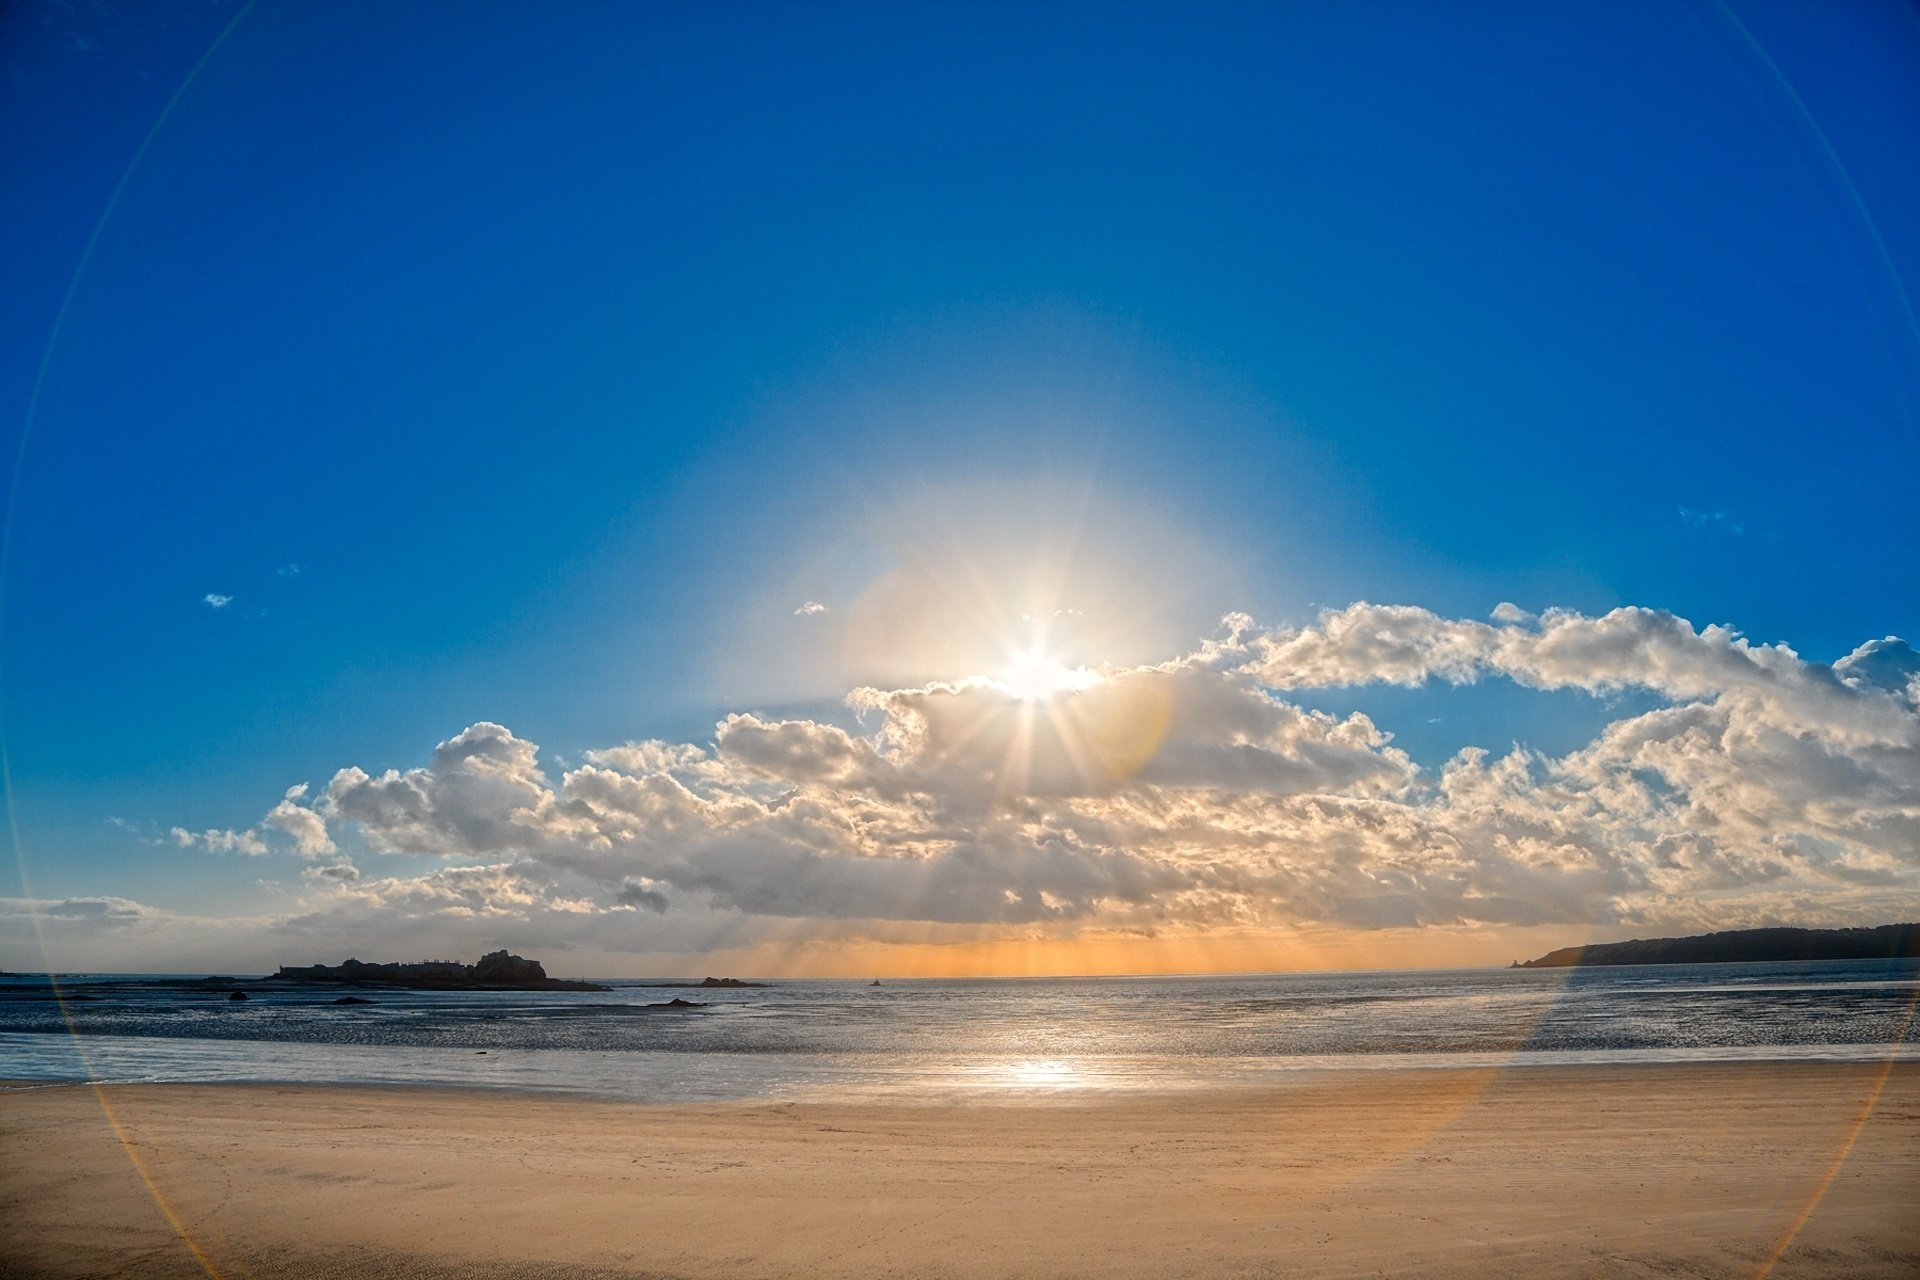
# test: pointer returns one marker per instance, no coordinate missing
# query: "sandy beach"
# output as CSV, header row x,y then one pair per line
x,y
1691,1170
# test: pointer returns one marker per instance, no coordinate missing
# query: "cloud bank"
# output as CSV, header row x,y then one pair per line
x,y
1191,795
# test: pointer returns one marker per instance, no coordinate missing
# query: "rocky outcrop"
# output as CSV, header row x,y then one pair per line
x,y
498,970
501,969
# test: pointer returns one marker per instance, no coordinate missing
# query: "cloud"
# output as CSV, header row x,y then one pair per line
x,y
1628,648
636,893
650,757
218,841
308,829
811,609
107,911
1192,794
289,570
482,794
498,889
1717,520
213,600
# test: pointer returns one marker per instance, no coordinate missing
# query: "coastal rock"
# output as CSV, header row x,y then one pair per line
x,y
728,982
237,995
355,1000
501,969
496,970
676,1003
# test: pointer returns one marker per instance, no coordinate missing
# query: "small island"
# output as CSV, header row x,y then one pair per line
x,y
1742,946
496,971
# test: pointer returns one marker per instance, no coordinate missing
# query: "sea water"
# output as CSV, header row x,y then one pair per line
x,y
940,1039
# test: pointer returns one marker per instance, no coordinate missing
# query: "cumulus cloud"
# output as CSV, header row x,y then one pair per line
x,y
308,829
481,794
811,609
214,600
1190,794
1628,648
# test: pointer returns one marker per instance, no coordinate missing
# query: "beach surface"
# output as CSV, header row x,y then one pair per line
x,y
1795,1170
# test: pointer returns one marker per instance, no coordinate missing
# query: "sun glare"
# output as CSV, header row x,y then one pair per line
x,y
1035,677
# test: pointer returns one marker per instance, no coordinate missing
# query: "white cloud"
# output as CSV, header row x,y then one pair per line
x,y
496,890
811,609
214,600
308,829
218,841
482,794
652,756
1186,795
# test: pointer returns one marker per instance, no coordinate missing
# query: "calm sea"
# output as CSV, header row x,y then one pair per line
x,y
939,1039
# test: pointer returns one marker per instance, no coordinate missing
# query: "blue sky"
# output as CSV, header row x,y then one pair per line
x,y
505,364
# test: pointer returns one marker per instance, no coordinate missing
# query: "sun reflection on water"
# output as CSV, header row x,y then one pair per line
x,y
1049,1075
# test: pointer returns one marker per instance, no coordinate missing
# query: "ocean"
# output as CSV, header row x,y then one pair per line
x,y
941,1039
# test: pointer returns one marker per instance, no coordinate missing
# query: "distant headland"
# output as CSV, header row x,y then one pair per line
x,y
1742,946
496,971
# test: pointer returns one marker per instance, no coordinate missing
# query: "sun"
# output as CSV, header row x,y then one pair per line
x,y
1035,676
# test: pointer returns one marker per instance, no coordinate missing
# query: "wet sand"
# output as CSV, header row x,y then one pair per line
x,y
1688,1170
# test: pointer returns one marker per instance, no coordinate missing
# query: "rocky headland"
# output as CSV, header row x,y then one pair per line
x,y
1754,946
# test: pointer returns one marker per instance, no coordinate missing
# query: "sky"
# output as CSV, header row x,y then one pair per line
x,y
865,489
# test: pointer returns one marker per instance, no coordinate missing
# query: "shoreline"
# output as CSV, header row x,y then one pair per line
x,y
689,1078
1639,1169
1279,1079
